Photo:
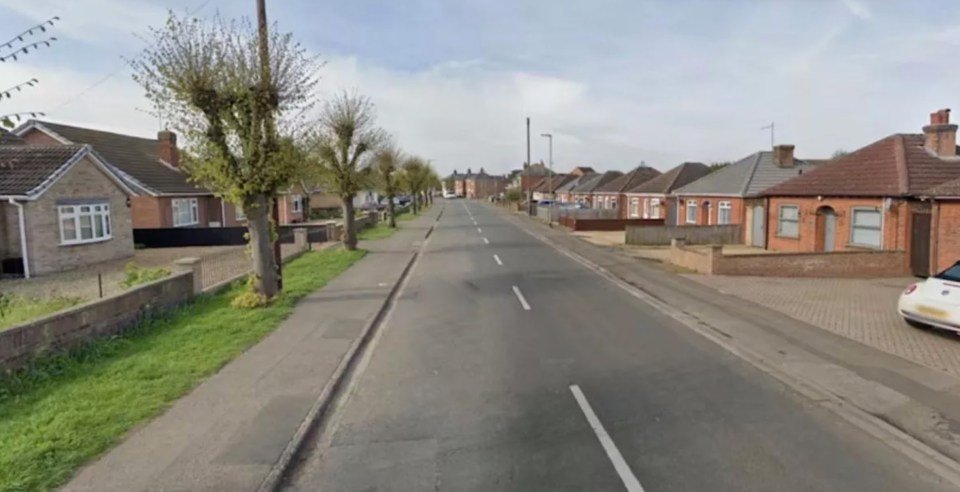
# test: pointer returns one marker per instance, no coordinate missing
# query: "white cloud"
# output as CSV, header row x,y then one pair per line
x,y
858,8
102,22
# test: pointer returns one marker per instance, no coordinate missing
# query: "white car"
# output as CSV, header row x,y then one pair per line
x,y
449,194
935,302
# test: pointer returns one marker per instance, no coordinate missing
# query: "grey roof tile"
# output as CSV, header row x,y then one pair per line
x,y
25,168
747,177
135,157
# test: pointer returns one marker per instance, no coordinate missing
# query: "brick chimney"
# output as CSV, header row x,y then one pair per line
x,y
783,155
167,148
940,135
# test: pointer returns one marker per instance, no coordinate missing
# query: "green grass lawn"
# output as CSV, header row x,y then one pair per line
x,y
16,310
379,231
67,409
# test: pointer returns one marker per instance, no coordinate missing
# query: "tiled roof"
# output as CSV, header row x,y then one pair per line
x,y
26,168
7,138
747,177
575,182
898,165
640,175
134,156
596,181
554,182
681,175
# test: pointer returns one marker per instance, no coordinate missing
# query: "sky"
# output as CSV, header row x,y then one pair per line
x,y
617,82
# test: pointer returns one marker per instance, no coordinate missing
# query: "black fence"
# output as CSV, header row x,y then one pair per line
x,y
178,237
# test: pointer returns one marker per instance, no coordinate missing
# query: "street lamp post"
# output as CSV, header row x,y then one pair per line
x,y
553,197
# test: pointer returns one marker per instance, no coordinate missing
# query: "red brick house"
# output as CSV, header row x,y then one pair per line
x,y
731,195
483,185
610,196
547,188
894,194
649,199
166,198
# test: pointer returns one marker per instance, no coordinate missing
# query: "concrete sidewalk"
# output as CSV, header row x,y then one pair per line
x,y
883,394
229,433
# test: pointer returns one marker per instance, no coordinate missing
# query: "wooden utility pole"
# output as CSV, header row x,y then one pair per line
x,y
266,103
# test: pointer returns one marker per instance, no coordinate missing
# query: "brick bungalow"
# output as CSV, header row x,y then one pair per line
x,y
732,195
548,187
611,196
649,199
565,191
61,207
881,197
585,191
166,198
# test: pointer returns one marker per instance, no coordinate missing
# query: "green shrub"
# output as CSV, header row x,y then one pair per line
x,y
16,310
136,275
249,300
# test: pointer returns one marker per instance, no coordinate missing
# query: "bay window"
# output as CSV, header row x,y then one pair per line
x,y
85,223
186,212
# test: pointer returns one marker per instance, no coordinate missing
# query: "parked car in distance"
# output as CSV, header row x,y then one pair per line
x,y
449,194
935,302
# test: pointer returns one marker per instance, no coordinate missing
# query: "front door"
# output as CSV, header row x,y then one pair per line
x,y
758,238
920,244
827,233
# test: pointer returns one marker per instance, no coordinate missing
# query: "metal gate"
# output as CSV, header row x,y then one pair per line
x,y
920,244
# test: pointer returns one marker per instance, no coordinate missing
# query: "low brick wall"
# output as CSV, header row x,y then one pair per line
x,y
864,264
607,224
661,236
839,264
698,261
101,318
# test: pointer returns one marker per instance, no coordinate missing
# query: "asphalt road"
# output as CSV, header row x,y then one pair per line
x,y
507,366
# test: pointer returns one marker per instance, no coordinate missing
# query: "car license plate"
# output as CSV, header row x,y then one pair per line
x,y
931,312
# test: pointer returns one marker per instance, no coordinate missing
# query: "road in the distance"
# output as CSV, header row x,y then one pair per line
x,y
507,366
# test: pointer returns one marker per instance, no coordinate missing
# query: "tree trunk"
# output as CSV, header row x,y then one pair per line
x,y
261,246
414,203
393,212
349,224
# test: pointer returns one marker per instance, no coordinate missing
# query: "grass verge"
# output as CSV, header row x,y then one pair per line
x,y
16,310
379,231
66,409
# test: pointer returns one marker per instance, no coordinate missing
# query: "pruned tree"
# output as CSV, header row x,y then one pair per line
x,y
387,176
416,175
206,81
433,184
341,149
13,50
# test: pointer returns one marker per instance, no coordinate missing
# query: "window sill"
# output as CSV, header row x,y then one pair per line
x,y
782,236
85,242
863,247
187,225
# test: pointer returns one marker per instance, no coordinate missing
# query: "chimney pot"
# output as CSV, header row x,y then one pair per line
x,y
940,136
167,148
783,155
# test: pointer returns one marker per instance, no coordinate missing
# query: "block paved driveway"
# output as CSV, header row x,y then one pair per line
x,y
860,309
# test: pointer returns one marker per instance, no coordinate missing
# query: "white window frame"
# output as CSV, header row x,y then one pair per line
x,y
721,208
655,209
297,203
97,213
634,207
878,228
613,203
781,221
691,212
238,213
193,207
